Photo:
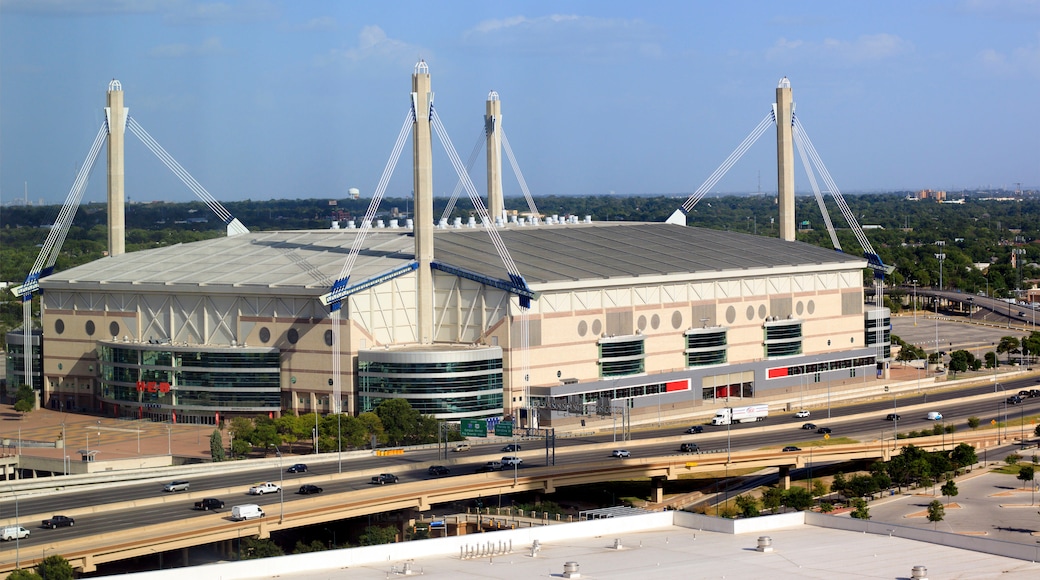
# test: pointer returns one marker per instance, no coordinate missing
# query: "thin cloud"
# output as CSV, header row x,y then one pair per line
x,y
569,34
208,47
865,49
374,44
321,23
1021,61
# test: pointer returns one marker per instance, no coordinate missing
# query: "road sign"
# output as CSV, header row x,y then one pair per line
x,y
474,428
504,429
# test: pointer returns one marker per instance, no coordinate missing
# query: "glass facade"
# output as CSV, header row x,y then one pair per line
x,y
878,331
783,338
621,356
448,384
706,346
187,380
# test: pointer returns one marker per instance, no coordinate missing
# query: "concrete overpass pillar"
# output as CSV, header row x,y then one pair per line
x,y
785,477
657,489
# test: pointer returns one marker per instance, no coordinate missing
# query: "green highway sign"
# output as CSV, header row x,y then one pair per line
x,y
504,429
474,428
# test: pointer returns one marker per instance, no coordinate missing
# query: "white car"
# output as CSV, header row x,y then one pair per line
x,y
13,533
802,414
623,453
265,487
510,461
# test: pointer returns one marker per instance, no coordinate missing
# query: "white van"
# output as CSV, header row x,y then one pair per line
x,y
246,512
13,533
934,416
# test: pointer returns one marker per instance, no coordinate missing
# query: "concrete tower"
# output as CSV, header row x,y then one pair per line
x,y
116,115
422,164
783,110
492,123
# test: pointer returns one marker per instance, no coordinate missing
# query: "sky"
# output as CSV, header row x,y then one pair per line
x,y
272,99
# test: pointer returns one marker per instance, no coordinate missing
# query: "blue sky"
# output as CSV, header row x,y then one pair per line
x,y
270,99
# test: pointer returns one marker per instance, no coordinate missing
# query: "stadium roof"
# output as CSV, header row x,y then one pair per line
x,y
307,262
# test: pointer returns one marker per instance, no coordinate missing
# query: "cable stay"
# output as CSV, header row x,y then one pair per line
x,y
816,189
519,175
481,140
679,216
234,227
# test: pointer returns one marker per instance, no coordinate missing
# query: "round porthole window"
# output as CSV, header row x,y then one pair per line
x,y
59,326
90,328
113,329
265,335
293,335
328,338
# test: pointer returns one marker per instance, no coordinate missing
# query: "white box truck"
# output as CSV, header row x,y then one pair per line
x,y
246,512
746,414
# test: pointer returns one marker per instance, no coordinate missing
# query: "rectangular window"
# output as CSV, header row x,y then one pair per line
x,y
706,346
783,338
620,356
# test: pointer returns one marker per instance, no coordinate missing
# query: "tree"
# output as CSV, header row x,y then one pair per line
x,y
400,421
23,574
936,512
55,567
819,489
959,361
1026,473
772,498
747,506
25,399
291,428
241,436
860,510
991,360
798,499
216,446
265,434
862,486
1011,459
375,535
949,489
963,455
839,484
974,422
254,548
1009,345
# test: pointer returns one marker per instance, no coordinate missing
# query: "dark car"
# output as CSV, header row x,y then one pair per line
x,y
1034,393
297,468
438,470
892,417
695,429
1014,400
1023,394
384,478
309,489
485,469
808,426
791,448
58,522
209,503
511,448
689,448
825,430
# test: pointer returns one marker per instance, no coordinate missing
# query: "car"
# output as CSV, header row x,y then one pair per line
x,y
1023,394
13,533
493,466
438,470
297,468
309,489
209,503
59,522
511,448
790,448
824,430
461,447
1033,393
486,468
265,487
512,461
384,478
808,426
176,486
892,417
802,414
689,448
695,429
1013,400
622,453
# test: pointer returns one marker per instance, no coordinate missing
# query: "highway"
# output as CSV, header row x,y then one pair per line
x,y
865,422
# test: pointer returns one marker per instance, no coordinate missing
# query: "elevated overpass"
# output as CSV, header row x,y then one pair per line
x,y
149,537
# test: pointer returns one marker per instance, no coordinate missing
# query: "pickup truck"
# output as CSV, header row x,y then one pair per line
x,y
58,522
209,503
384,478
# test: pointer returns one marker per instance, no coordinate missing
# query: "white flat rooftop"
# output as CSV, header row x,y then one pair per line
x,y
658,545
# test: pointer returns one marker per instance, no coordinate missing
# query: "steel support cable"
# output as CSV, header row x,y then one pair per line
x,y
728,163
377,196
519,175
27,340
815,187
179,171
56,238
481,139
850,217
474,197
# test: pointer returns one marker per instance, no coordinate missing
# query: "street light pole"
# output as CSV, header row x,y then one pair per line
x,y
914,282
281,486
940,256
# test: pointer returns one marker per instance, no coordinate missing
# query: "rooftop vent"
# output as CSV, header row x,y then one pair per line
x,y
570,570
919,573
765,544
